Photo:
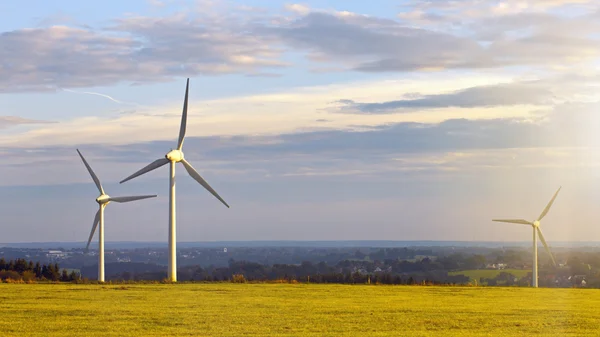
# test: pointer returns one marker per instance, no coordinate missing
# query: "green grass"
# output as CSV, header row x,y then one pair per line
x,y
476,274
294,310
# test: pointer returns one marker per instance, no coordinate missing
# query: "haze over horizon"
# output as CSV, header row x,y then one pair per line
x,y
320,120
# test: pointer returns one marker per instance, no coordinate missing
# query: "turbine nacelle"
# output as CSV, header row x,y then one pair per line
x,y
103,199
174,156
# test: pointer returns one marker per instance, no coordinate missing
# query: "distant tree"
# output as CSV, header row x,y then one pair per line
x,y
20,266
37,270
359,255
74,276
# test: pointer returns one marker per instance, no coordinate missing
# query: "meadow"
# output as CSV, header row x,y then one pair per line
x,y
227,309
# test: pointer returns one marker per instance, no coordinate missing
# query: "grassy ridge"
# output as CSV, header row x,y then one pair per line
x,y
476,274
294,310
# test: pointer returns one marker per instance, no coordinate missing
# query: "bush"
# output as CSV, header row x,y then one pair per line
x,y
238,278
9,274
28,276
10,280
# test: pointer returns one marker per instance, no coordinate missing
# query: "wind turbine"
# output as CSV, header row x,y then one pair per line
x,y
536,230
173,157
102,201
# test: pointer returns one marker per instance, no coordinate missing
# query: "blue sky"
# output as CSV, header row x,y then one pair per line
x,y
321,120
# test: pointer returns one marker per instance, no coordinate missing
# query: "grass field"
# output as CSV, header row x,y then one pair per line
x,y
476,274
295,310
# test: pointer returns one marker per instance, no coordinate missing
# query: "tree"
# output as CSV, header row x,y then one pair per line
x,y
37,270
74,276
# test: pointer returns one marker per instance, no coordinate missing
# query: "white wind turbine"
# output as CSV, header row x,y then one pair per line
x,y
173,157
102,201
536,230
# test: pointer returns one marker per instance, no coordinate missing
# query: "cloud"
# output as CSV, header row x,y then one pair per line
x,y
483,96
132,49
366,44
221,39
447,11
454,35
8,121
372,44
279,112
565,137
297,8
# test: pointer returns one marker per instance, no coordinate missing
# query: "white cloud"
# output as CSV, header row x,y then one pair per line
x,y
287,111
223,39
297,8
133,49
8,121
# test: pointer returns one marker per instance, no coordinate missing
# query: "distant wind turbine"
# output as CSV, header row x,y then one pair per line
x,y
102,201
173,157
536,230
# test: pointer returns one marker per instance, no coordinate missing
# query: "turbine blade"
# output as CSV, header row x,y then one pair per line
x,y
519,221
94,177
549,205
153,165
192,172
183,117
96,220
546,245
132,198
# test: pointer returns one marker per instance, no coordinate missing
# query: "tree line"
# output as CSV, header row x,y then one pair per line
x,y
344,272
27,271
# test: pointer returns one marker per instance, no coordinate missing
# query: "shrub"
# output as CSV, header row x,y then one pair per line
x,y
10,280
238,278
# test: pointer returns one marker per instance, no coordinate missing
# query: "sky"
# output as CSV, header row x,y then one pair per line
x,y
320,120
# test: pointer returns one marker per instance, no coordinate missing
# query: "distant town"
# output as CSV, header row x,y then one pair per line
x,y
456,264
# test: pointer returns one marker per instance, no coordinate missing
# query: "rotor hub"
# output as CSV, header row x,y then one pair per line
x,y
536,224
103,199
175,155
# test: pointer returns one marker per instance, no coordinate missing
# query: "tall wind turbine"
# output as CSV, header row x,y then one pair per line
x,y
173,157
102,201
536,230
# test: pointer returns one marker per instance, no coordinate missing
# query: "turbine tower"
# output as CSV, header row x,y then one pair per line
x,y
173,157
102,201
536,230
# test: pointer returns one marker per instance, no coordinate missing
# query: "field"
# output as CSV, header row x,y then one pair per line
x,y
294,310
476,274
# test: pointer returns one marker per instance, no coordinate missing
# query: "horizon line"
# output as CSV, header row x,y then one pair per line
x,y
285,240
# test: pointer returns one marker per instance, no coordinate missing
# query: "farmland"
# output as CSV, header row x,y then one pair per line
x,y
226,309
